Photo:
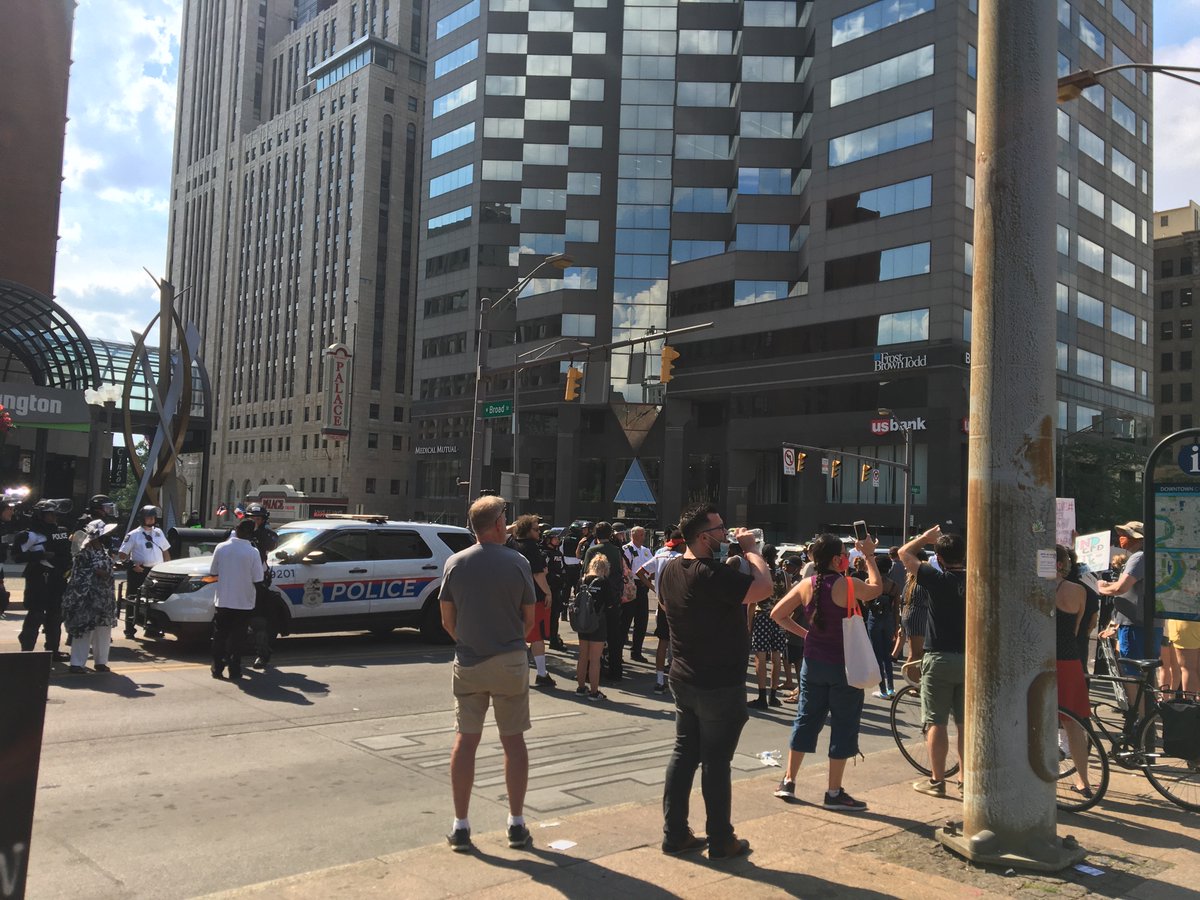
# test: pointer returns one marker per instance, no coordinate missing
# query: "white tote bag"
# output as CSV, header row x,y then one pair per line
x,y
862,669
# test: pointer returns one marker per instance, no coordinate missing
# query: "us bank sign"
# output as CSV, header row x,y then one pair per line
x,y
892,362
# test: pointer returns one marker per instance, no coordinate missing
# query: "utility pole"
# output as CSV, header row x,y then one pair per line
x,y
1011,686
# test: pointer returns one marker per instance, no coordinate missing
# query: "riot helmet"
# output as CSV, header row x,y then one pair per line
x,y
148,511
103,504
257,510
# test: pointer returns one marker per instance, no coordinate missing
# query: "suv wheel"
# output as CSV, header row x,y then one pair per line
x,y
431,623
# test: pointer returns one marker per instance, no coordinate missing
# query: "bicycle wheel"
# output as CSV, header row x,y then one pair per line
x,y
1069,796
1176,779
909,730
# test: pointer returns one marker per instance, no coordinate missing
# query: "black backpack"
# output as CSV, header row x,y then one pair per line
x,y
584,611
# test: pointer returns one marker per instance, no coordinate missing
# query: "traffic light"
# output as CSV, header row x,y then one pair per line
x,y
574,376
865,473
800,457
669,355
835,468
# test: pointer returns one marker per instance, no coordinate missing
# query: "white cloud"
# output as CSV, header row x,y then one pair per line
x,y
117,162
1176,129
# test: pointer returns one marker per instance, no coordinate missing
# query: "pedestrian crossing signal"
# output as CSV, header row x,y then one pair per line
x,y
574,376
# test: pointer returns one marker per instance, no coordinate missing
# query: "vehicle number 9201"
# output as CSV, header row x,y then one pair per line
x,y
283,573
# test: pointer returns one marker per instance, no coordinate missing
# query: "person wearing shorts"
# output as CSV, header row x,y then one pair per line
x,y
1184,636
526,540
487,600
648,574
943,666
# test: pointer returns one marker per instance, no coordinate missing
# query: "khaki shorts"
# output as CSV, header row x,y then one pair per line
x,y
501,680
943,676
1183,635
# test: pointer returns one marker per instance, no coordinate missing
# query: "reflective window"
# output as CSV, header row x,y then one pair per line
x,y
1122,376
586,135
880,203
1064,126
702,146
1124,271
1124,324
882,76
650,43
586,231
876,16
1091,199
701,199
1061,356
1123,14
1064,65
587,88
454,99
543,198
747,293
574,325
1089,309
541,244
451,181
1124,116
1085,416
769,13
766,125
882,138
1061,297
1123,167
769,68
703,93
547,65
501,170
968,263
505,85
903,327
458,218
588,42
650,17
508,5
706,41
504,128
579,278
1090,253
1091,35
544,154
970,126
1064,13
548,110
1063,239
1064,183
507,43
587,183
683,251
1089,365
457,19
1123,218
455,58
551,20
764,181
762,237
1091,145
970,192
446,304
1094,95
452,140
881,265
1120,58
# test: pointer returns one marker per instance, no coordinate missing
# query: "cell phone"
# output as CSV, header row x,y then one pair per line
x,y
860,530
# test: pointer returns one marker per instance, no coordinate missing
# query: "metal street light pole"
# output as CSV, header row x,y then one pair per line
x,y
486,307
1011,699
906,500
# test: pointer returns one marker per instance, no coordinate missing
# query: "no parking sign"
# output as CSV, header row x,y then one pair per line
x,y
789,461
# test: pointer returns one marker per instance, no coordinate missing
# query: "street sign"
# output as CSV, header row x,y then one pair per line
x,y
874,478
789,461
497,409
916,489
824,465
514,486
1189,458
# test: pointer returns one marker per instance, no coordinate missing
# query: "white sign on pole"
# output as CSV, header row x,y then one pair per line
x,y
874,478
789,461
1064,520
824,465
1094,550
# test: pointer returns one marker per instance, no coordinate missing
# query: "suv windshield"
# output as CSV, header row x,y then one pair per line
x,y
292,540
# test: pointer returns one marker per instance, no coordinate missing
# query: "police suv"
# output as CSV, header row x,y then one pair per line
x,y
340,573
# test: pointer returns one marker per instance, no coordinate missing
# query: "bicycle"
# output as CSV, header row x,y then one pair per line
x,y
1139,743
908,730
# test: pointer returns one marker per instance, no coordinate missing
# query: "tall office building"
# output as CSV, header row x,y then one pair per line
x,y
800,175
1176,279
295,189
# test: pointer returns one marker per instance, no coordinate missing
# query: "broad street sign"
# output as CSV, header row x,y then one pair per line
x,y
497,409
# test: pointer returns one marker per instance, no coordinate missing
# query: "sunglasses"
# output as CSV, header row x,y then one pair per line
x,y
715,528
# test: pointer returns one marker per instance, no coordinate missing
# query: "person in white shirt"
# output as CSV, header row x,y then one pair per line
x,y
637,554
142,549
648,574
238,567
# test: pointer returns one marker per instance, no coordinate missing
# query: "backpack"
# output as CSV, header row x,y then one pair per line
x,y
584,610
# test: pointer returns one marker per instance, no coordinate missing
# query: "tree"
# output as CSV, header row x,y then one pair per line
x,y
126,495
1103,475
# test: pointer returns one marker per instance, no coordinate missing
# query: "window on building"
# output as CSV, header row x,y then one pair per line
x,y
372,440
874,17
1089,365
1166,330
1089,309
1123,323
1167,424
1185,360
1166,393
879,203
883,138
882,76
1185,328
903,327
1166,362
455,59
369,486
1185,298
880,265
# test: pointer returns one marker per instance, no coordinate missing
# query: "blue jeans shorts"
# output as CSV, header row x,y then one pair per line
x,y
824,692
1129,645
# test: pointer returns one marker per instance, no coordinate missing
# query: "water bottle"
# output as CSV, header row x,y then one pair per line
x,y
770,757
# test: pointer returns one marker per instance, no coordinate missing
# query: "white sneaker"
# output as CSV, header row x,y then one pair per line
x,y
879,695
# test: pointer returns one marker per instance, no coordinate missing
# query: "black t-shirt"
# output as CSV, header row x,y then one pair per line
x,y
532,551
709,642
946,631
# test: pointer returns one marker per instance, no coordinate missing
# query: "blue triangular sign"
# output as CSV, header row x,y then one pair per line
x,y
635,488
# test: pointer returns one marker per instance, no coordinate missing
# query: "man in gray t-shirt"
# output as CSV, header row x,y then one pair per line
x,y
487,607
1128,593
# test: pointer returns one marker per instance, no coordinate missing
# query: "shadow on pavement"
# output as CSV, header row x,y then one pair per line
x,y
281,687
547,869
797,884
1128,821
102,683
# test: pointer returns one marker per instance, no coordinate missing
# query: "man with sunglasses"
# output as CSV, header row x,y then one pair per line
x,y
142,549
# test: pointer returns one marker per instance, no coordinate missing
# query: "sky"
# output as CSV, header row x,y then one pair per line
x,y
121,111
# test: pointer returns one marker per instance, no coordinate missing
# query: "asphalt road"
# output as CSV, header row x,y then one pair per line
x,y
158,781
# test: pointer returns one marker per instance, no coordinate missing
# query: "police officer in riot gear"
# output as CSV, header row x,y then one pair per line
x,y
261,622
45,548
102,507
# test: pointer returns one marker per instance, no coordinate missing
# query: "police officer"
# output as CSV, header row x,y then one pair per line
x,y
102,507
142,549
556,577
261,621
45,548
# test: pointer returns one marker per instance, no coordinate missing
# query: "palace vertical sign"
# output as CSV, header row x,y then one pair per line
x,y
337,392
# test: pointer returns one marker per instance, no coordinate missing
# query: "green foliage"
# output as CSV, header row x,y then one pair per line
x,y
1102,476
125,496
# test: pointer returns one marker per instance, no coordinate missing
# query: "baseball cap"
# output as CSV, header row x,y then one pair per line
x,y
1131,529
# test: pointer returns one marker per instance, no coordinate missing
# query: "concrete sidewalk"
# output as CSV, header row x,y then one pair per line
x,y
1145,846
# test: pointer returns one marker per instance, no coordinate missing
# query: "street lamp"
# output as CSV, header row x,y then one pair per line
x,y
558,261
1067,435
1072,86
884,412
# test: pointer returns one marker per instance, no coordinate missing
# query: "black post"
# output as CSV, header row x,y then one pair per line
x,y
26,678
